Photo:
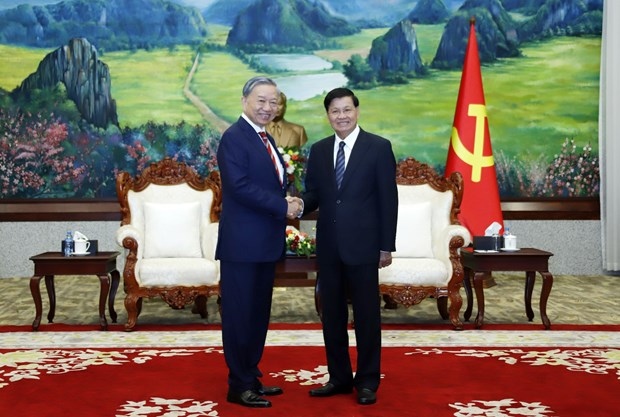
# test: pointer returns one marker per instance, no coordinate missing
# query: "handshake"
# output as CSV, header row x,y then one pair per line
x,y
295,207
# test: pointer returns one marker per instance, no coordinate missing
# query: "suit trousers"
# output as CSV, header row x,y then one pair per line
x,y
337,284
246,292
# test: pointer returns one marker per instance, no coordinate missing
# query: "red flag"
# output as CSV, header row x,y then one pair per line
x,y
470,150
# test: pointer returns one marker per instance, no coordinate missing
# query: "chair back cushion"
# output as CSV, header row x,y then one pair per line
x,y
423,213
172,230
413,231
171,218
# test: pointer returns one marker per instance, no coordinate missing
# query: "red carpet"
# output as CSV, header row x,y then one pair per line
x,y
418,381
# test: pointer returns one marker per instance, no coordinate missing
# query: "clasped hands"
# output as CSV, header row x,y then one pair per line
x,y
295,207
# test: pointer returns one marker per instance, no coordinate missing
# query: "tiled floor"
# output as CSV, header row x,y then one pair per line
x,y
573,300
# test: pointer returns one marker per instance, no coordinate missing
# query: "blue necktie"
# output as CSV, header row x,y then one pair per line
x,y
340,164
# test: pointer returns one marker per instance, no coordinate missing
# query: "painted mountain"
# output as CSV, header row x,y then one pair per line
x,y
560,17
396,51
429,12
499,35
363,12
109,24
225,11
269,24
84,77
496,34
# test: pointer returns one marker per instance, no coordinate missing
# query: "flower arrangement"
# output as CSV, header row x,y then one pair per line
x,y
299,243
295,162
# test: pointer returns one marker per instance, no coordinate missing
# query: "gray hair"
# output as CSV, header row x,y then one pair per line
x,y
253,82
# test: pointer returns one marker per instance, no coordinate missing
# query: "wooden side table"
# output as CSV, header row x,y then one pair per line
x,y
49,264
528,260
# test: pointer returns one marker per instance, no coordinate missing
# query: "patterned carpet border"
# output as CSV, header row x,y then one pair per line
x,y
391,338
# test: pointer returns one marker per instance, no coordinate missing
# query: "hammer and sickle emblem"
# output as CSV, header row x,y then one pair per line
x,y
475,159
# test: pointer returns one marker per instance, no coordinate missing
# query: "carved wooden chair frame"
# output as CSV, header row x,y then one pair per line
x,y
412,172
165,172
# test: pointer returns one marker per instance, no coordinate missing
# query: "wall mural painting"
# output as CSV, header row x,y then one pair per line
x,y
89,88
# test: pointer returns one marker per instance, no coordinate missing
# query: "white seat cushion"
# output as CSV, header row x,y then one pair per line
x,y
415,272
177,271
172,230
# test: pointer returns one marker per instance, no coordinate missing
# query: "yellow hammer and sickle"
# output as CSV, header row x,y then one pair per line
x,y
475,159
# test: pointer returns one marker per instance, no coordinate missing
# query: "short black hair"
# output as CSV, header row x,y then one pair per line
x,y
340,93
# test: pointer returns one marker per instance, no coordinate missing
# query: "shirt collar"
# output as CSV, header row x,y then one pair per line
x,y
350,139
256,127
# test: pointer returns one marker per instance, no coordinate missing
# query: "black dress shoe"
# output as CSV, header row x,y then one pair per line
x,y
248,399
330,389
265,390
366,396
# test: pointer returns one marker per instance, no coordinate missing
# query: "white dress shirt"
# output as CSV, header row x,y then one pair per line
x,y
349,141
274,150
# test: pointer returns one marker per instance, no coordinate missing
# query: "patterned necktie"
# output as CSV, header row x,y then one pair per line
x,y
263,136
339,169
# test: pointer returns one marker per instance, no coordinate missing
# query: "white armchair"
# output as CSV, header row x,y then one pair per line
x,y
427,262
169,230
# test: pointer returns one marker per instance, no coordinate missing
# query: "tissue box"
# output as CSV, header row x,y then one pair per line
x,y
487,242
93,249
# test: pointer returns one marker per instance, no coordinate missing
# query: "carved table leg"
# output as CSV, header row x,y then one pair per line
x,y
104,281
479,288
544,296
468,293
51,294
115,280
442,307
530,279
36,297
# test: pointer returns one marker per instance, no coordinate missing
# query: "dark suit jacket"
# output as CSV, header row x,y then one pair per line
x,y
253,219
358,220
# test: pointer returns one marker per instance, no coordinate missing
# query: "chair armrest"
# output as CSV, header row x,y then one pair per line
x,y
129,231
209,235
441,245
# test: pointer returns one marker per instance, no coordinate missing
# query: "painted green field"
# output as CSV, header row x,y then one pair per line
x,y
217,34
146,85
149,85
534,102
17,63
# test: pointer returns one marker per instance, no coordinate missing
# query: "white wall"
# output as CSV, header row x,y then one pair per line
x,y
576,244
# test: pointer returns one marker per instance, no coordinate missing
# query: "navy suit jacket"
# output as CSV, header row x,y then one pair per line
x,y
359,219
253,219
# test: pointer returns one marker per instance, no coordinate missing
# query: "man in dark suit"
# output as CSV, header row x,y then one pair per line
x,y
251,239
356,233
